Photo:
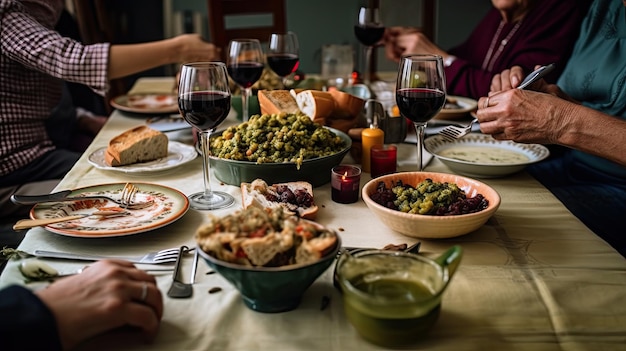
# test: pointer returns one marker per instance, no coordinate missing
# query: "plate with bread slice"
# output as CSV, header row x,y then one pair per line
x,y
142,149
146,103
166,206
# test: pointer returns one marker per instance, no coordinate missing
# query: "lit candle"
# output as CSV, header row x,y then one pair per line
x,y
345,181
384,158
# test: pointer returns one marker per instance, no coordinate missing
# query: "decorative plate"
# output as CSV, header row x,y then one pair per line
x,y
480,155
177,154
457,107
168,205
146,103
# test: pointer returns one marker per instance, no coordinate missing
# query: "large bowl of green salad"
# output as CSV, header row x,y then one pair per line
x,y
277,148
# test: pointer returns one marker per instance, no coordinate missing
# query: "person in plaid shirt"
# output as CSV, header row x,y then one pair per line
x,y
35,60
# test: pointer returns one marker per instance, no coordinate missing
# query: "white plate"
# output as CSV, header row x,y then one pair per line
x,y
466,106
168,206
177,154
475,142
146,103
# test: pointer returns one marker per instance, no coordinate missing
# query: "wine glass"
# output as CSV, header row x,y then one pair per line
x,y
204,102
282,56
245,62
420,93
369,30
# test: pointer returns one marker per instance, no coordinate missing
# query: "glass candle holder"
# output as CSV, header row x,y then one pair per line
x,y
345,182
383,159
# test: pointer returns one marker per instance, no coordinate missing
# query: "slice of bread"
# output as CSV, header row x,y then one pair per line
x,y
296,198
140,144
277,101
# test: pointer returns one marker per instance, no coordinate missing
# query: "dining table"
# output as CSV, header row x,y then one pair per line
x,y
533,277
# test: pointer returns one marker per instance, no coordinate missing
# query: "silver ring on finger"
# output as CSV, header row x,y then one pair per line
x,y
144,292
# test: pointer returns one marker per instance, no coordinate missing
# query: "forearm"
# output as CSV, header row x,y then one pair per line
x,y
128,59
594,132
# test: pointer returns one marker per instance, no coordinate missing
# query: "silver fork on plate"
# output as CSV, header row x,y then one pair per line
x,y
126,199
155,257
455,132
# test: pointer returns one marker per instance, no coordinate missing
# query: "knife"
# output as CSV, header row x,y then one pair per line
x,y
536,75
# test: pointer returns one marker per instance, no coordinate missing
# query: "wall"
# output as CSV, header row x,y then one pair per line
x,y
322,22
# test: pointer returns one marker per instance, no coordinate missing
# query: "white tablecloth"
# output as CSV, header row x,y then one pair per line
x,y
532,278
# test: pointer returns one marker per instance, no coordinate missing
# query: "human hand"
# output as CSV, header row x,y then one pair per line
x,y
88,122
513,77
191,47
401,41
524,116
107,295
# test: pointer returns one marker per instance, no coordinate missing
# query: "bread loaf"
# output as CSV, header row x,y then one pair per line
x,y
296,198
347,105
319,105
277,101
140,144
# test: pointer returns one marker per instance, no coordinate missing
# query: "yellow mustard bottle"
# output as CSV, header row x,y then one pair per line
x,y
370,137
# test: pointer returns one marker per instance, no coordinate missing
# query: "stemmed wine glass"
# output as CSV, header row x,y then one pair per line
x,y
204,102
282,56
245,62
369,30
420,93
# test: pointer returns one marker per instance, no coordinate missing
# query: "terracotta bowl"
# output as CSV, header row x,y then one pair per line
x,y
430,226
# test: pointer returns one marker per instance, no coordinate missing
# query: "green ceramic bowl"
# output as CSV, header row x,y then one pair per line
x,y
253,105
272,289
315,171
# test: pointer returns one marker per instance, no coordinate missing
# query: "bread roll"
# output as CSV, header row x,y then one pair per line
x,y
316,104
347,106
277,101
140,144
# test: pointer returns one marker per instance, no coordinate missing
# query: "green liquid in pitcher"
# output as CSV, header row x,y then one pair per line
x,y
390,330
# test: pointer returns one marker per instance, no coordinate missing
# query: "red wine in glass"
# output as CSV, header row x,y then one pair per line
x,y
204,110
419,104
283,64
369,35
246,73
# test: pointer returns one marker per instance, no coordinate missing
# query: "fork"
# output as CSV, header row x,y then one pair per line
x,y
455,132
155,257
128,193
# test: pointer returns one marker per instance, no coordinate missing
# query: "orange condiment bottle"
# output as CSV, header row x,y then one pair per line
x,y
370,137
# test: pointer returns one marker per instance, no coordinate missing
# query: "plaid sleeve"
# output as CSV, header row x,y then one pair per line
x,y
29,43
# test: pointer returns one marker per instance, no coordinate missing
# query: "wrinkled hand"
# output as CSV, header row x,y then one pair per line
x,y
513,77
401,41
194,48
523,116
105,296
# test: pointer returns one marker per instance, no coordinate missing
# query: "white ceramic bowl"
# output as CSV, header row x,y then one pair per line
x,y
430,226
476,143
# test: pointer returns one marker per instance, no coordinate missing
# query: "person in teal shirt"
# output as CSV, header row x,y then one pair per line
x,y
584,112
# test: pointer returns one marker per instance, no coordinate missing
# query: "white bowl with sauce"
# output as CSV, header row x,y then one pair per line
x,y
480,155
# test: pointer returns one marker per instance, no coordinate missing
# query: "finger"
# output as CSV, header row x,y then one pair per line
x,y
142,317
147,294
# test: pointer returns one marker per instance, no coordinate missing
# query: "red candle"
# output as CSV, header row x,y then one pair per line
x,y
384,159
345,181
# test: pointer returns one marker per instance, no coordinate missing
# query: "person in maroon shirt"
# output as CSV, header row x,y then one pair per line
x,y
521,33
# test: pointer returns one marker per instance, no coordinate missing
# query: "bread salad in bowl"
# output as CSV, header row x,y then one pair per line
x,y
269,255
